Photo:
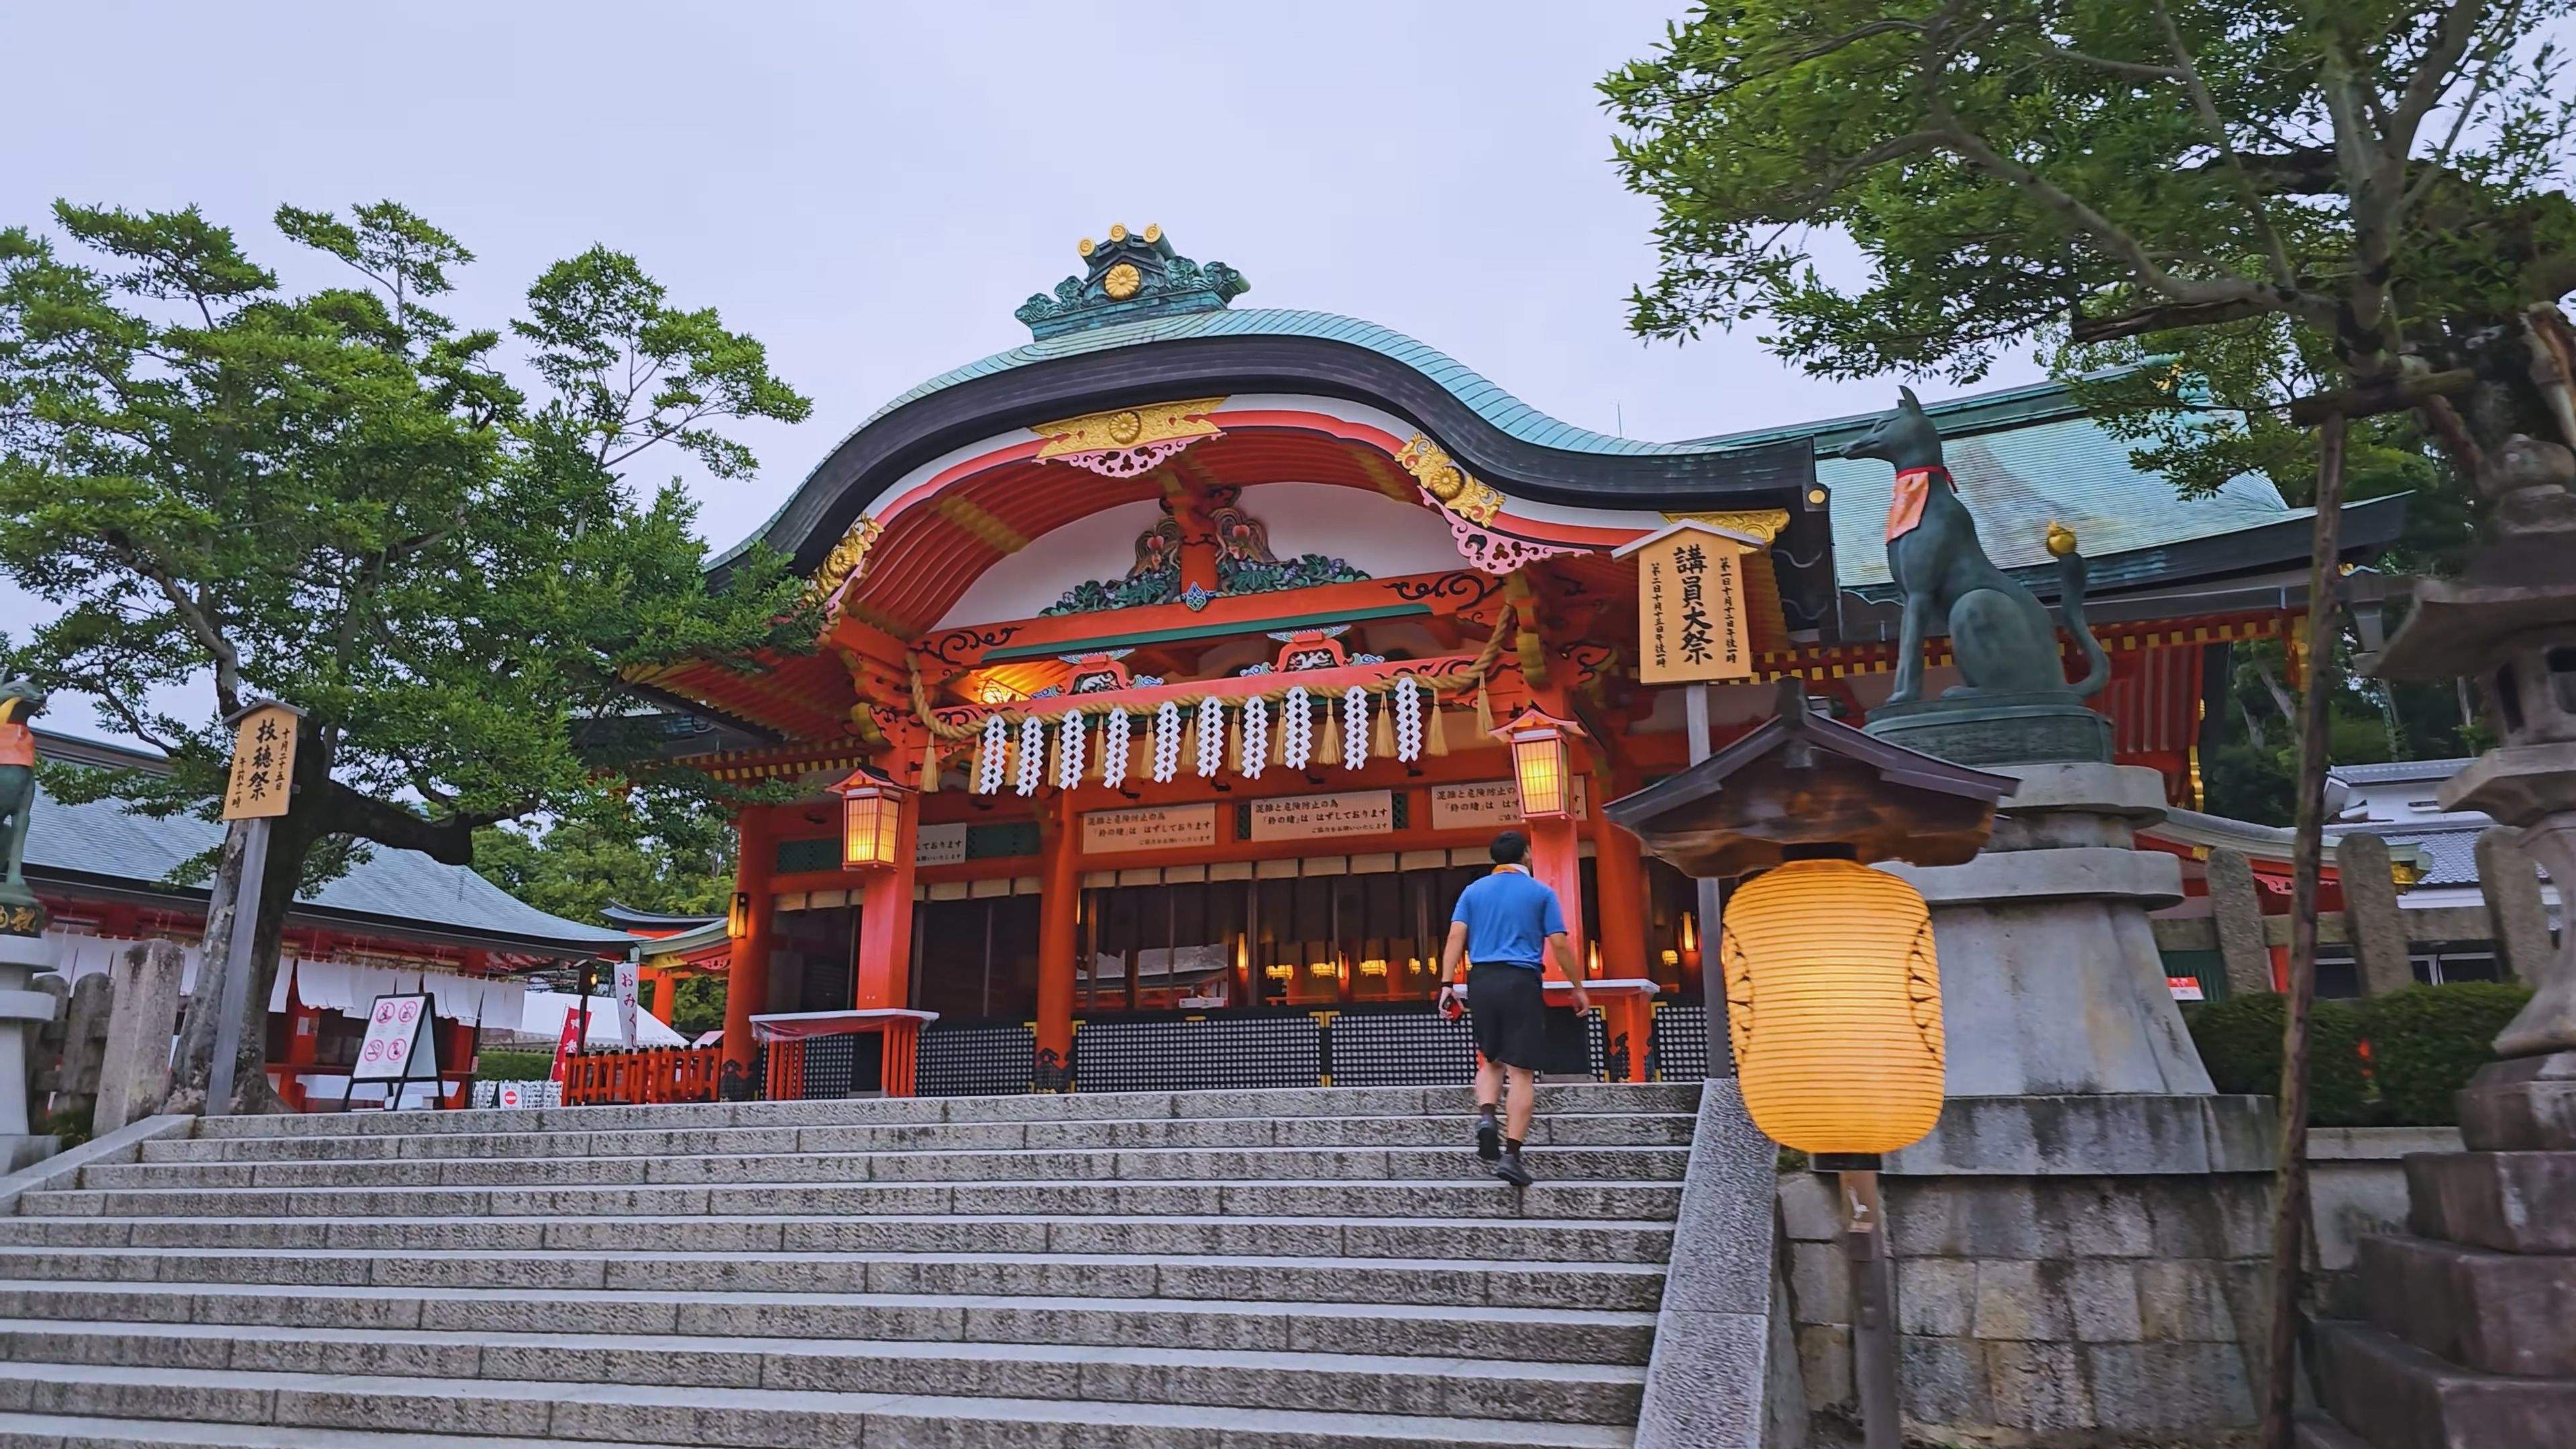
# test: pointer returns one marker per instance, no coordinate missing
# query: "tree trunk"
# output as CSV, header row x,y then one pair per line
x,y
290,841
2290,1204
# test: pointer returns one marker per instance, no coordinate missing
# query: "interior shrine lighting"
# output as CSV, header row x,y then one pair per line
x,y
1279,971
1539,762
1833,962
871,820
738,916
1672,958
1690,932
1372,967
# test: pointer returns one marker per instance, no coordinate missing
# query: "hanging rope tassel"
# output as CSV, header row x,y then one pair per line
x,y
1234,738
1382,735
1484,711
1331,748
930,768
1435,732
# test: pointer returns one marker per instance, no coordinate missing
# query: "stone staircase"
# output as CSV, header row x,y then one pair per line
x,y
1258,1270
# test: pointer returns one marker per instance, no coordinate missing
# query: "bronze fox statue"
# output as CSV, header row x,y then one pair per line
x,y
1999,634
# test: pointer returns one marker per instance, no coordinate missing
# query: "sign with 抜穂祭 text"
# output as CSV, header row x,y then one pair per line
x,y
1493,804
1691,622
1315,817
263,773
939,845
1149,827
397,1033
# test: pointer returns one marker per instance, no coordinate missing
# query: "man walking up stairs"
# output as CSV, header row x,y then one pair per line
x,y
1292,1270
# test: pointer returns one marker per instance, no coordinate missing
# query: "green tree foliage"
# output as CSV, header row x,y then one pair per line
x,y
344,500
2268,198
609,851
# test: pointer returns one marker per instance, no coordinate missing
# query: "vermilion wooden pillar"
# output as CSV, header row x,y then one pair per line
x,y
884,976
747,976
1556,859
1619,870
1058,906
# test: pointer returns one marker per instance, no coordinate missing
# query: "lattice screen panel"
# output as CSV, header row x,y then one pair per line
x,y
1182,1054
987,1060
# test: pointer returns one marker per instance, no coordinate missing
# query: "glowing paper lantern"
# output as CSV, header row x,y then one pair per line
x,y
871,820
1834,1004
1539,763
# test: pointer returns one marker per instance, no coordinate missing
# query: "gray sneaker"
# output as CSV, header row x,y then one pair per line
x,y
1489,1141
1509,1169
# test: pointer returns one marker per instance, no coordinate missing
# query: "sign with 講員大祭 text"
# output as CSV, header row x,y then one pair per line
x,y
1315,817
1493,804
1149,827
263,774
1691,617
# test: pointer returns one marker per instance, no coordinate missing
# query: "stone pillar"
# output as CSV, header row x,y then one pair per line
x,y
22,1009
2516,911
2236,908
77,1048
1059,905
2371,913
747,974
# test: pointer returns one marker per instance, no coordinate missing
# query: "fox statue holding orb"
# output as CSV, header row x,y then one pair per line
x,y
2000,634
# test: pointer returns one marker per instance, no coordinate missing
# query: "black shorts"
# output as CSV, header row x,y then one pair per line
x,y
1507,1007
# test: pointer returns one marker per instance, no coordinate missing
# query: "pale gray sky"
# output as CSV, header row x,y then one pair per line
x,y
871,188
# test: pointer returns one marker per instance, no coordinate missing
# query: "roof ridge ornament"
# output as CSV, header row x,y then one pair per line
x,y
1130,277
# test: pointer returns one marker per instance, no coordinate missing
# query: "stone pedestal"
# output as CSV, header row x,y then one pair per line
x,y
2082,1239
2470,1334
134,1067
2051,983
22,1010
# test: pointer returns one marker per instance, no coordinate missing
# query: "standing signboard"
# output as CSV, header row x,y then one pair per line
x,y
566,1043
400,1047
1691,624
259,788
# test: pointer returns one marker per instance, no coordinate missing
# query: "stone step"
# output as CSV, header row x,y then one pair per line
x,y
1593,1097
1474,1388
1126,1164
2499,1313
1539,1335
184,1406
2513,1202
1572,1240
645,1268
2312,1432
2394,1395
56,1431
1587,1129
1355,1198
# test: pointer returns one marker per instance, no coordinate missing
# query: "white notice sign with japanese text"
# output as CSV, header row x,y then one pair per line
x,y
1151,827
1317,817
940,845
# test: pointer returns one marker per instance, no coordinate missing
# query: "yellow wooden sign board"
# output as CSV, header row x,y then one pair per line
x,y
263,772
1691,616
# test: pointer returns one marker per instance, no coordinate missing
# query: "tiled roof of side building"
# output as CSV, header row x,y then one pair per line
x,y
2025,457
102,843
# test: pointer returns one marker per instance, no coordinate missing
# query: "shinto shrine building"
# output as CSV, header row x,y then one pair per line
x,y
1184,634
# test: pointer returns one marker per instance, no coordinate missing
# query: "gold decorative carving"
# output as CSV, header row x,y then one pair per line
x,y
1086,246
1762,523
1170,422
1453,487
1118,232
1122,282
847,557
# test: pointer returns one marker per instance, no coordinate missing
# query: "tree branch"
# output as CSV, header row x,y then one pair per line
x,y
448,840
2284,274
2140,321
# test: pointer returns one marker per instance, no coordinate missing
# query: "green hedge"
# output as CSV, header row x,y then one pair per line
x,y
2427,1041
2240,1043
2389,1060
513,1066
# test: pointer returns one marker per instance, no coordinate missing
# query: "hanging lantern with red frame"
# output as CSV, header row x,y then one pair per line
x,y
1541,765
871,820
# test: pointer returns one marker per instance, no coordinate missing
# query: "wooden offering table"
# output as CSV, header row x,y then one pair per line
x,y
817,1054
1627,1011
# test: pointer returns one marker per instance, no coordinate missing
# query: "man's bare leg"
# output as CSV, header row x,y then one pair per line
x,y
1524,1100
1489,1092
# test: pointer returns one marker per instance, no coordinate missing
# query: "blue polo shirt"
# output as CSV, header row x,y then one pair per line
x,y
1509,915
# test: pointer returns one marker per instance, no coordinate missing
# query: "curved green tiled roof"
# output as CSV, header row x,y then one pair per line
x,y
1488,400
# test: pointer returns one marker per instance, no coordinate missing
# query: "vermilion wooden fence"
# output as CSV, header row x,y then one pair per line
x,y
665,1074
